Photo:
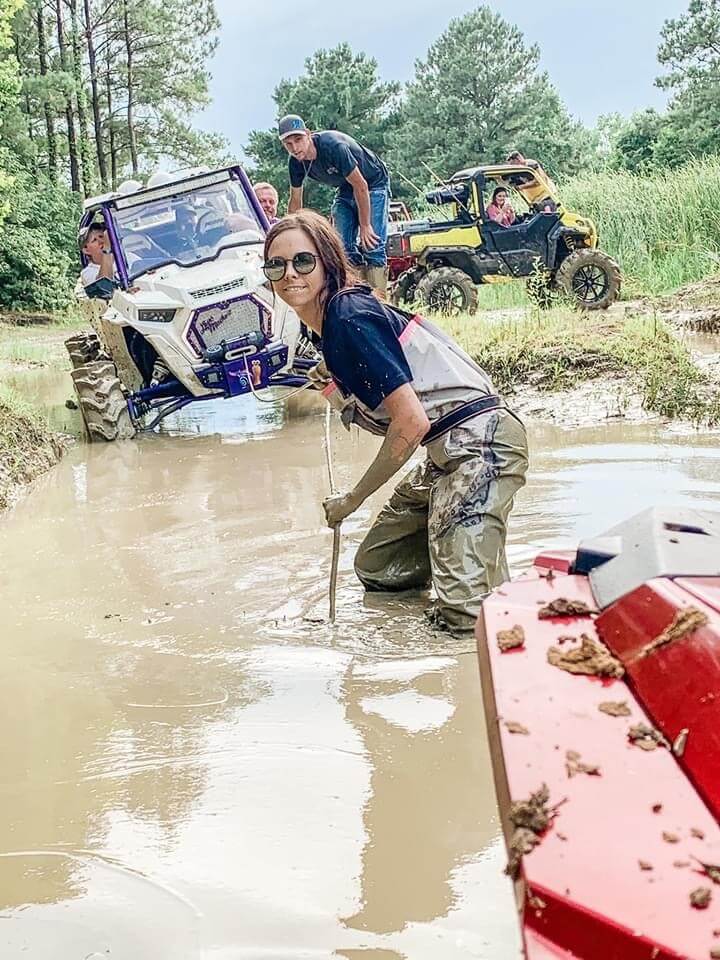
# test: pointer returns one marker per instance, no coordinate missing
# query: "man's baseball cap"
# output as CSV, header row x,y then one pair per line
x,y
291,124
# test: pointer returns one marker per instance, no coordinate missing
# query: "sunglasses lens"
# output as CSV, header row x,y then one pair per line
x,y
274,269
304,262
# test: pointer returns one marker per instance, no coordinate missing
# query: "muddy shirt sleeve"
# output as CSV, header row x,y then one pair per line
x,y
364,355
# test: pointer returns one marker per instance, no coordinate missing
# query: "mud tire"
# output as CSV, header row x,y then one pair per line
x,y
102,401
590,278
84,348
404,290
449,291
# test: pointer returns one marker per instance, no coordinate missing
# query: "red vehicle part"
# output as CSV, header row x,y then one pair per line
x,y
613,874
398,266
399,256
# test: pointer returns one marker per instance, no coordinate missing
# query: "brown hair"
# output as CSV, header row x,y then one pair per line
x,y
338,272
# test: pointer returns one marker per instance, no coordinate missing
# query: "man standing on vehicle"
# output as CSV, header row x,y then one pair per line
x,y
360,209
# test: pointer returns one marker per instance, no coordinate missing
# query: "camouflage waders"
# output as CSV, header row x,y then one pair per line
x,y
446,522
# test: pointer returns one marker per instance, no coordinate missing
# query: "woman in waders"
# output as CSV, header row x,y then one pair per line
x,y
400,376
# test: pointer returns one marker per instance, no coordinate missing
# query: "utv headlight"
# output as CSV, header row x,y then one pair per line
x,y
156,316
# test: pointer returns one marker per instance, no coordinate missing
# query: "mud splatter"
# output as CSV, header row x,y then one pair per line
x,y
644,865
574,765
698,834
645,737
615,708
656,807
511,639
513,727
685,622
591,658
530,818
700,898
670,837
536,903
711,871
680,741
564,608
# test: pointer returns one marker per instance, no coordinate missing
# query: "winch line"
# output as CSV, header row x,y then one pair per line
x,y
336,528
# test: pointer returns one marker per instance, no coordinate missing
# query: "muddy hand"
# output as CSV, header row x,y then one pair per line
x,y
337,507
319,375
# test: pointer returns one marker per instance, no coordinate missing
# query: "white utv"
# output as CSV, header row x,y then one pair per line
x,y
188,315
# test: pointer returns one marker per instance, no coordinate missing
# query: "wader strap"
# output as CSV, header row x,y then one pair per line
x,y
460,414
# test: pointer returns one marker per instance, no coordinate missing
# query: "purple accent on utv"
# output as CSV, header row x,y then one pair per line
x,y
229,378
117,252
254,202
226,322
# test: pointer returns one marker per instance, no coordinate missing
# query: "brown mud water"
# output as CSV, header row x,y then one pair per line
x,y
193,766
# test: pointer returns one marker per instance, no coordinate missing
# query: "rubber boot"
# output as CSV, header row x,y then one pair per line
x,y
377,278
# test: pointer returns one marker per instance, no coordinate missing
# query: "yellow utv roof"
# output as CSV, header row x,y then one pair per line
x,y
534,184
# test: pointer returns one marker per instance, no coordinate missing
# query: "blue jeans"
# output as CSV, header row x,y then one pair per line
x,y
345,217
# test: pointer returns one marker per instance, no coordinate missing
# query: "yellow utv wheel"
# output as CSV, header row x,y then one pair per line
x,y
590,278
448,290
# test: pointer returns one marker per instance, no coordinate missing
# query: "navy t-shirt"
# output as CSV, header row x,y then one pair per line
x,y
361,348
337,156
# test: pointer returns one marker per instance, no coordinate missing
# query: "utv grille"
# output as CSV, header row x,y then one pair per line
x,y
226,322
203,292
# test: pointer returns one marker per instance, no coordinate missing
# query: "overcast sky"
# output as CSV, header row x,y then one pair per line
x,y
601,56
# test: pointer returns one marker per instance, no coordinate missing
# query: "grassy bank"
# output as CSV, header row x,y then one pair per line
x,y
558,349
28,447
663,229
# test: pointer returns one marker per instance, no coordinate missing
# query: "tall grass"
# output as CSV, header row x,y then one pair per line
x,y
664,229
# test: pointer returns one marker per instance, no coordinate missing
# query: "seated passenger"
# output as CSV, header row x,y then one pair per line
x,y
185,238
268,199
499,209
240,221
93,242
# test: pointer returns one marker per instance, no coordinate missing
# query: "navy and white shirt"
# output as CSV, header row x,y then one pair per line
x,y
337,156
371,348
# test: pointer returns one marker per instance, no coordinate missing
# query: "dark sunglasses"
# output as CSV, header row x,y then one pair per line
x,y
303,263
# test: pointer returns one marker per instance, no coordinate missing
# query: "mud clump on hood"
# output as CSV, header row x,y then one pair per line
x,y
512,639
700,898
591,658
530,818
645,737
685,622
614,708
564,608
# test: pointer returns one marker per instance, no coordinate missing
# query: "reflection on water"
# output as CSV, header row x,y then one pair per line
x,y
197,764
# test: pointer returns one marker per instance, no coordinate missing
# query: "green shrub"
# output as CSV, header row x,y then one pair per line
x,y
38,255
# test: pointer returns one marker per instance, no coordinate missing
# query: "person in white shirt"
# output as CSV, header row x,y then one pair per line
x,y
95,245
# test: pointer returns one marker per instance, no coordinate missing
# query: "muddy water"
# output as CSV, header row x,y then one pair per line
x,y
195,765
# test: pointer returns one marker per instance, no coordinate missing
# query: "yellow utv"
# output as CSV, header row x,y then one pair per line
x,y
440,263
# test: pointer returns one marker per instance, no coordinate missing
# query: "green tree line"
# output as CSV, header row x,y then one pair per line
x,y
479,92
91,92
95,91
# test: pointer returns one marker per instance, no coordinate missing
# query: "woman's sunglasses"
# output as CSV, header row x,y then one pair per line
x,y
303,263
